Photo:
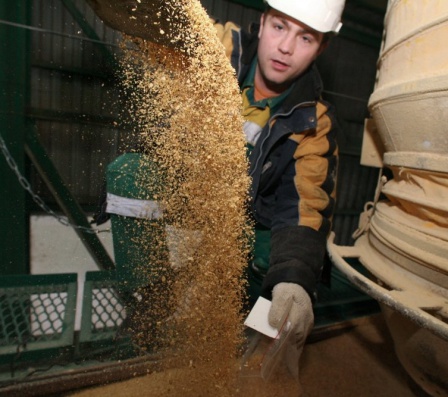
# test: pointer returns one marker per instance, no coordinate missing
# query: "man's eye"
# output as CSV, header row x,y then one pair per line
x,y
278,27
307,39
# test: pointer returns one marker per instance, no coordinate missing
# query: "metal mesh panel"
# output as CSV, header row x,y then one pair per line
x,y
36,312
103,312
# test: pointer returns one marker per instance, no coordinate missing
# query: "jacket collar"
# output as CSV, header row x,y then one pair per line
x,y
307,88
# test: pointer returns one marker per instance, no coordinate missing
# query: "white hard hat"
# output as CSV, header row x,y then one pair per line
x,y
321,15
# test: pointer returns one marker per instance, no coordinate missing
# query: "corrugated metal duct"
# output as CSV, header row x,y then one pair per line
x,y
405,244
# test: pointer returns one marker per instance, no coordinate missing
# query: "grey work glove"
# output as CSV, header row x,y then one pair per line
x,y
301,318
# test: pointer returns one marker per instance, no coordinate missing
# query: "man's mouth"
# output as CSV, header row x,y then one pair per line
x,y
279,65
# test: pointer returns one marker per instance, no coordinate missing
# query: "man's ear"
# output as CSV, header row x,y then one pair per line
x,y
261,25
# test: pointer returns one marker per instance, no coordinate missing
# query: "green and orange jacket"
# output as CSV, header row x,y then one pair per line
x,y
293,166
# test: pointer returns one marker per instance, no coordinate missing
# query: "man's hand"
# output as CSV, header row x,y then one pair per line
x,y
301,313
300,316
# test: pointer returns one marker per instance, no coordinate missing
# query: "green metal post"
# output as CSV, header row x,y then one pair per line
x,y
14,94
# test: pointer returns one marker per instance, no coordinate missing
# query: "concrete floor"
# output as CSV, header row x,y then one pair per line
x,y
360,361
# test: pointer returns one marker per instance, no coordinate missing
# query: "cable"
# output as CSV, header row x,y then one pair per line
x,y
70,36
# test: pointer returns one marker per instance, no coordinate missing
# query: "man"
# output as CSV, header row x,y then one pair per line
x,y
291,136
291,139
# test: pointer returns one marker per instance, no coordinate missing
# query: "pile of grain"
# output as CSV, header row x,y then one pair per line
x,y
187,108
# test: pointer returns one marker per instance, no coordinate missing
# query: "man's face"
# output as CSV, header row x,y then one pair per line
x,y
285,50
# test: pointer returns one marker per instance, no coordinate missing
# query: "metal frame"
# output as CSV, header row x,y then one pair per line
x,y
400,297
19,297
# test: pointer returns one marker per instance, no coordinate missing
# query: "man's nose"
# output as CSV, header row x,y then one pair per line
x,y
287,44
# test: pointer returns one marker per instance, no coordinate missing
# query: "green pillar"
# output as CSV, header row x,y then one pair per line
x,y
14,97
